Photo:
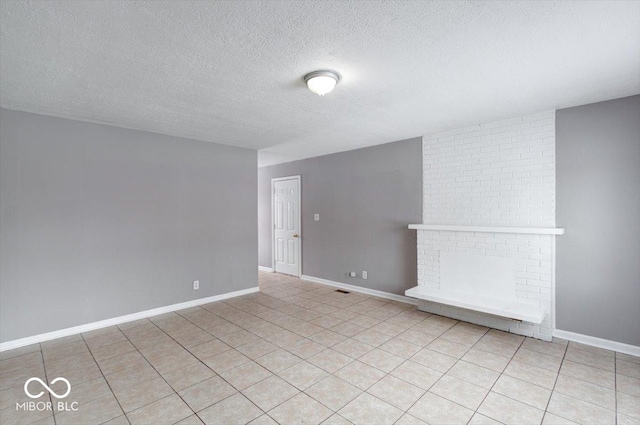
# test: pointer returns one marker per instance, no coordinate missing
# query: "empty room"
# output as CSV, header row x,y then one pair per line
x,y
319,212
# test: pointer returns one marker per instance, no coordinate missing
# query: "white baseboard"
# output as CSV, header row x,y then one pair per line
x,y
360,289
17,343
265,269
598,342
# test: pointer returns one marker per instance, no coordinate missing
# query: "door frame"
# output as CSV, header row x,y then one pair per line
x,y
273,224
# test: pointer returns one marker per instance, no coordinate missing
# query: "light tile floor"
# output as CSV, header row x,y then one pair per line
x,y
299,352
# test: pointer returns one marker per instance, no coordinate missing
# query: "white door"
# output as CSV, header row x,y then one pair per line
x,y
286,225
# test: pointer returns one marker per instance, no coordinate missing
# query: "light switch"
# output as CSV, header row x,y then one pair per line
x,y
316,217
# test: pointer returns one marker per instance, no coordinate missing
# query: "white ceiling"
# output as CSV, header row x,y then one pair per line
x,y
231,72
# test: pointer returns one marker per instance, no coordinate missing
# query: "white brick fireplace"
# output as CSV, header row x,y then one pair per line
x,y
500,176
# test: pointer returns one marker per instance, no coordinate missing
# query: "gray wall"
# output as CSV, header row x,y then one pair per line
x,y
98,222
365,198
598,201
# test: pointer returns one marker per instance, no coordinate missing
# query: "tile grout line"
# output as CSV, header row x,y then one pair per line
x,y
46,378
104,377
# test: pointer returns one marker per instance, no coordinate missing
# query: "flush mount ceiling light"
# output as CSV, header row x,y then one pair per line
x,y
321,82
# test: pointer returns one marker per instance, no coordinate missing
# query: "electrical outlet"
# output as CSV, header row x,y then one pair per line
x,y
316,217
352,274
364,274
196,285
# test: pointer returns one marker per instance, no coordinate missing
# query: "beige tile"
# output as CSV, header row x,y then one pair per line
x,y
541,377
226,360
592,349
300,409
407,419
434,360
167,411
85,392
143,393
537,359
173,362
16,352
626,420
121,362
236,409
336,419
333,392
131,376
25,361
628,385
396,392
390,329
327,321
328,338
579,411
120,420
360,374
628,405
11,416
257,348
434,409
416,337
372,337
523,391
112,350
627,368
544,347
551,419
400,348
12,395
305,348
284,338
191,420
239,338
474,374
486,360
352,348
188,376
348,329
270,393
209,349
94,412
207,393
303,375
509,411
627,357
479,419
588,373
461,337
586,391
278,360
382,360
245,375
449,348
330,360
417,374
367,409
591,359
459,391
263,420
104,340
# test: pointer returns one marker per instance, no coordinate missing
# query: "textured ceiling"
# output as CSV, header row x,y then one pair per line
x,y
231,72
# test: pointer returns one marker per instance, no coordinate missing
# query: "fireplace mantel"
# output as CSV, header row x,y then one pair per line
x,y
490,229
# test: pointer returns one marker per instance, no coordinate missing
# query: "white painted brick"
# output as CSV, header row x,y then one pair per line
x,y
500,173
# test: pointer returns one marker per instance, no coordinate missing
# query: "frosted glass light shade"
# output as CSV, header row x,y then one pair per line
x,y
322,82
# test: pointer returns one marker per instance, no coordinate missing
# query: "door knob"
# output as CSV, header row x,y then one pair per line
x,y
295,235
